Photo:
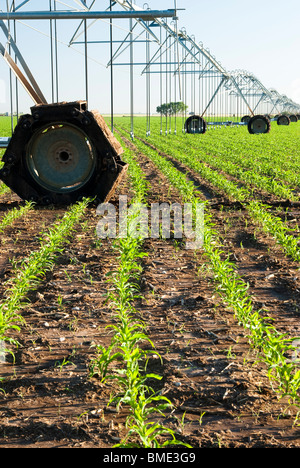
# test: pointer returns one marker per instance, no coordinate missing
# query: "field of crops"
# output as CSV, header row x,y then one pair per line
x,y
140,341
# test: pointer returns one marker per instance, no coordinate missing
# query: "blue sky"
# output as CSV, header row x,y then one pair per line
x,y
261,37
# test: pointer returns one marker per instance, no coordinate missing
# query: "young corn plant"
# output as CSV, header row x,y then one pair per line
x,y
273,346
122,360
270,224
32,270
276,228
4,189
14,214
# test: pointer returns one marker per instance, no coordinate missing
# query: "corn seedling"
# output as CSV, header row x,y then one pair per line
x,y
33,268
232,288
200,162
130,375
14,214
60,365
4,189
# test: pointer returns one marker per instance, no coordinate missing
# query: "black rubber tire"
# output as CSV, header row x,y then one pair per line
x,y
283,120
259,124
245,119
195,124
293,118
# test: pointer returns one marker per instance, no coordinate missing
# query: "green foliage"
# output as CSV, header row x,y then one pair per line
x,y
14,214
209,156
32,270
122,361
275,348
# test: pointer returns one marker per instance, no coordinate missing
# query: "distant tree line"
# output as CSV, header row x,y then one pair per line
x,y
171,108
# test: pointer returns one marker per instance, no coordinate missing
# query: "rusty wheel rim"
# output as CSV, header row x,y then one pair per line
x,y
60,158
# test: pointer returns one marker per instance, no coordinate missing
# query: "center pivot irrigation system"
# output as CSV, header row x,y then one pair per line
x,y
61,151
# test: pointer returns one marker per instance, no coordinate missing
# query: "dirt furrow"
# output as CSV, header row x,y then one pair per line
x,y
221,396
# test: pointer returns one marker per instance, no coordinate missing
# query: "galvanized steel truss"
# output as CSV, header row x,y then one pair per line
x,y
171,53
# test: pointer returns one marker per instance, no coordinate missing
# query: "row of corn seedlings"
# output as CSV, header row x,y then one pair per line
x,y
4,189
249,177
220,161
14,214
274,348
32,270
261,154
129,333
269,223
274,226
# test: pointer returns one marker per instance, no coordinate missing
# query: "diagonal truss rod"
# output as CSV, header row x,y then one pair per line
x,y
241,83
20,76
181,38
29,83
13,13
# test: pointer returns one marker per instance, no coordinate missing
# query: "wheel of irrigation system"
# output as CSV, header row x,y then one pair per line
x,y
195,124
60,158
293,118
259,124
245,119
283,120
62,153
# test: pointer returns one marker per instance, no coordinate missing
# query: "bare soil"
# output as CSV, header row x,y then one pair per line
x,y
221,393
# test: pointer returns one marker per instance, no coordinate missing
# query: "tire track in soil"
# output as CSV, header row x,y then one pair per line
x,y
190,328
